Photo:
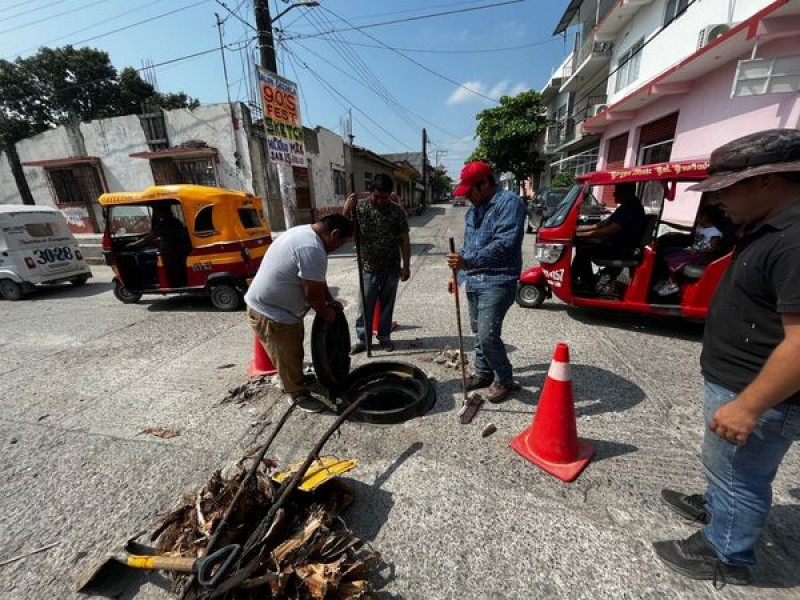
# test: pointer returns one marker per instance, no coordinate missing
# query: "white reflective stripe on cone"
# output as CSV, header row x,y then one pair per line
x,y
559,371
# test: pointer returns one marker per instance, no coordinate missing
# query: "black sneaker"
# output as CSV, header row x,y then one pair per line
x,y
695,558
358,348
474,382
689,507
386,345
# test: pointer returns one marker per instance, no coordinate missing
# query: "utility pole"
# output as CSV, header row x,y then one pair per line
x,y
425,198
266,41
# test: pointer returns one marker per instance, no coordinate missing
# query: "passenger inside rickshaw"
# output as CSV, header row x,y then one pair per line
x,y
168,237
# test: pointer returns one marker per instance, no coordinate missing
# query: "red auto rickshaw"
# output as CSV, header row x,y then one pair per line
x,y
633,289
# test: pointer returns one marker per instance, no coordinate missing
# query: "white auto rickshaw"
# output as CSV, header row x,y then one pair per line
x,y
37,247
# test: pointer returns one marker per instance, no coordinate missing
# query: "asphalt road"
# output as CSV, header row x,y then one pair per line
x,y
454,515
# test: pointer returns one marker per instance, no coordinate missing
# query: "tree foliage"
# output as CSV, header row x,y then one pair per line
x,y
68,85
441,184
563,179
508,134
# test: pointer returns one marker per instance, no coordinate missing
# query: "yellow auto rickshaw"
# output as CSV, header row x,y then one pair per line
x,y
172,239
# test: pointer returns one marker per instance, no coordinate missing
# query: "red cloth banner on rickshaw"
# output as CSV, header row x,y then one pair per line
x,y
679,171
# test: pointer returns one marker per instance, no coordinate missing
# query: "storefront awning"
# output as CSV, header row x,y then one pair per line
x,y
68,161
207,152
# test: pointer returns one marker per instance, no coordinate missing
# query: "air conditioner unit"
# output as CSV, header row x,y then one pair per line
x,y
596,109
711,32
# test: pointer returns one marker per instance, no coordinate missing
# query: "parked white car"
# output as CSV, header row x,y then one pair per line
x,y
37,247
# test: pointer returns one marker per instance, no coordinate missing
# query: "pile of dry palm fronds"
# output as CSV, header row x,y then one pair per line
x,y
310,552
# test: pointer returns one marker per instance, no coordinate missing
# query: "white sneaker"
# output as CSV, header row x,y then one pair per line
x,y
668,289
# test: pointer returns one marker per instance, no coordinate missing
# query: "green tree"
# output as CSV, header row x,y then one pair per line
x,y
441,184
563,179
69,85
508,134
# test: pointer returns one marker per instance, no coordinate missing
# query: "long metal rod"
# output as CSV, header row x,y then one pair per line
x,y
458,320
360,262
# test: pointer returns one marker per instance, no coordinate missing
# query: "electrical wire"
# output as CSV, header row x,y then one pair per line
x,y
336,92
28,10
419,64
104,21
51,17
439,51
421,118
406,20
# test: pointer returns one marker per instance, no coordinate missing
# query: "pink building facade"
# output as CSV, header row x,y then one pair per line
x,y
692,105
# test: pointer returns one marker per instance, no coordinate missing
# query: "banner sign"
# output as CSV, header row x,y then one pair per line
x,y
284,129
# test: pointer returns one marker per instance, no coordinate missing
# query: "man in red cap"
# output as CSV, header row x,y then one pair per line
x,y
491,261
749,359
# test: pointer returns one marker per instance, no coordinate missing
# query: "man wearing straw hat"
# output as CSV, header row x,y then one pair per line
x,y
749,359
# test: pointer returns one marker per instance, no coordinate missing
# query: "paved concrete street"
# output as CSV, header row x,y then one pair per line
x,y
454,515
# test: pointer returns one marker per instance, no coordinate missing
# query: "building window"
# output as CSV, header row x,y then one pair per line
x,y
75,190
674,9
628,65
655,153
155,128
339,183
767,76
199,171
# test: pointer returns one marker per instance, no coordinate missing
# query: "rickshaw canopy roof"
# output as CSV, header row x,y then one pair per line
x,y
185,193
670,171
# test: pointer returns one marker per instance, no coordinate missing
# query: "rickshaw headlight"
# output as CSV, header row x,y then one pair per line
x,y
548,253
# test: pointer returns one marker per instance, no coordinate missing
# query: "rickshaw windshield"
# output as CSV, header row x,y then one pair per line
x,y
129,220
563,208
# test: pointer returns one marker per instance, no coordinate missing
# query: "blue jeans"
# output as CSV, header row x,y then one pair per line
x,y
487,309
739,493
383,288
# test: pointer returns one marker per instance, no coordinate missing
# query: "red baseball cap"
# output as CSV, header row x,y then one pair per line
x,y
471,174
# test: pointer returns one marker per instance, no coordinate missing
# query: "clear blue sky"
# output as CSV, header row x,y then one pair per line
x,y
391,97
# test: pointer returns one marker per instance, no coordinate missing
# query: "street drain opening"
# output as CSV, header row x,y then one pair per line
x,y
395,392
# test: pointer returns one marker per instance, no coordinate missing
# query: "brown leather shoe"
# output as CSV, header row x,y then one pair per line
x,y
499,392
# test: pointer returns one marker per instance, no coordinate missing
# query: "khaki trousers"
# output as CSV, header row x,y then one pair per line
x,y
284,344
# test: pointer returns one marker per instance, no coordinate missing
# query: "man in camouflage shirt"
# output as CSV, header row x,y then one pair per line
x,y
386,254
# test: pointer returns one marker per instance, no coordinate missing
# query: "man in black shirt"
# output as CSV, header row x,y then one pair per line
x,y
615,237
749,359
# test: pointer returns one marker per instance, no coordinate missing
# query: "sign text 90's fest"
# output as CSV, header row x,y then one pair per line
x,y
282,123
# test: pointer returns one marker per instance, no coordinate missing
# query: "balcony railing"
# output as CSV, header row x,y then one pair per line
x,y
590,49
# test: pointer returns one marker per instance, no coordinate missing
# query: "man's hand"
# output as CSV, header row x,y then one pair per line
x,y
455,260
405,273
733,422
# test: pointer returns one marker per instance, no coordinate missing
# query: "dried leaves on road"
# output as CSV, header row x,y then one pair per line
x,y
311,554
161,432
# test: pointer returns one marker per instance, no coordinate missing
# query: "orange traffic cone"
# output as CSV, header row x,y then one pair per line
x,y
261,364
376,318
551,442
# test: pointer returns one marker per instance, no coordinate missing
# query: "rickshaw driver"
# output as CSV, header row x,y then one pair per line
x,y
614,237
169,235
290,280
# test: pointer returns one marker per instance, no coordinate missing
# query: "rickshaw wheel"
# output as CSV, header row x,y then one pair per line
x,y
225,297
530,296
124,295
10,290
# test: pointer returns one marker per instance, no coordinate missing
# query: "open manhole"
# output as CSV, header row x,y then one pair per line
x,y
395,391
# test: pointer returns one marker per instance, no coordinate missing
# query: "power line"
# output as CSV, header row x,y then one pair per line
x,y
51,17
71,33
233,13
28,10
482,51
406,20
333,90
419,64
421,118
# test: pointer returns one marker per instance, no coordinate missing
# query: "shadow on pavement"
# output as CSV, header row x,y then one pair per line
x,y
431,212
652,324
181,303
595,390
604,449
66,290
779,551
